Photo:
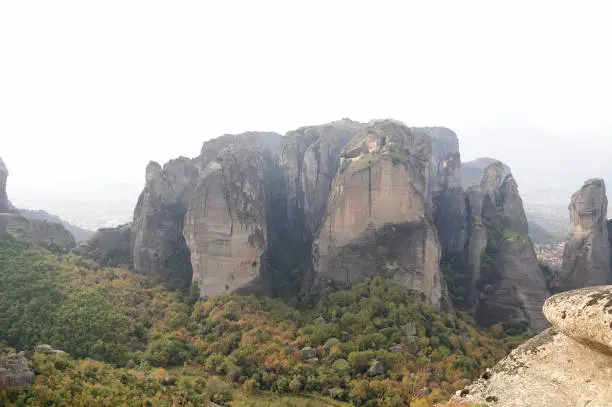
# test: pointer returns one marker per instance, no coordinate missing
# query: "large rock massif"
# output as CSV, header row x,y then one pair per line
x,y
378,218
486,252
226,226
507,283
567,365
331,204
586,256
32,230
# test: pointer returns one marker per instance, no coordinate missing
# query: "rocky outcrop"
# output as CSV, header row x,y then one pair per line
x,y
585,315
586,256
565,366
378,218
109,246
225,225
15,372
79,234
472,171
506,283
157,229
445,191
158,239
309,158
40,232
48,350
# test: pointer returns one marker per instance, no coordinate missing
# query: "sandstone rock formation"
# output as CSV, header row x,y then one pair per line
x,y
109,246
378,218
445,191
585,315
39,232
31,230
335,203
226,225
472,171
506,282
309,158
568,365
586,256
15,372
157,229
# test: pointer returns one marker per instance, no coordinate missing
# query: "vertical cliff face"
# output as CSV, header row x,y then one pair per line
x,y
309,158
509,285
228,224
445,191
225,226
378,218
157,230
586,257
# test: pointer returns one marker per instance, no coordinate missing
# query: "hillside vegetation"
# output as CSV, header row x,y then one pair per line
x,y
133,342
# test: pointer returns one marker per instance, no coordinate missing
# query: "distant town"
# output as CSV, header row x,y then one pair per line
x,y
550,253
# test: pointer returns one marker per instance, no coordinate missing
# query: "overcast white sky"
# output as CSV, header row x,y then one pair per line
x,y
94,90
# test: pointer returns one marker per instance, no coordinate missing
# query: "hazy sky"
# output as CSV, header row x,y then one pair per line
x,y
91,91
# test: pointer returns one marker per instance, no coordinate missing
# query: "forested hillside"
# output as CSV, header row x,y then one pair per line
x,y
132,341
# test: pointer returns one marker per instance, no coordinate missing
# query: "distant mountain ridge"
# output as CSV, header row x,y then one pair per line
x,y
79,234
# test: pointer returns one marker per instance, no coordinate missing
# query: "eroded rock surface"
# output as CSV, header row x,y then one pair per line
x,y
554,369
225,225
309,158
378,218
586,256
472,171
507,283
39,231
445,191
157,229
15,372
584,315
109,246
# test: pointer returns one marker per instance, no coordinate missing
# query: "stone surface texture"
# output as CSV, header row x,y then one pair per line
x,y
569,365
586,256
506,282
15,372
378,218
